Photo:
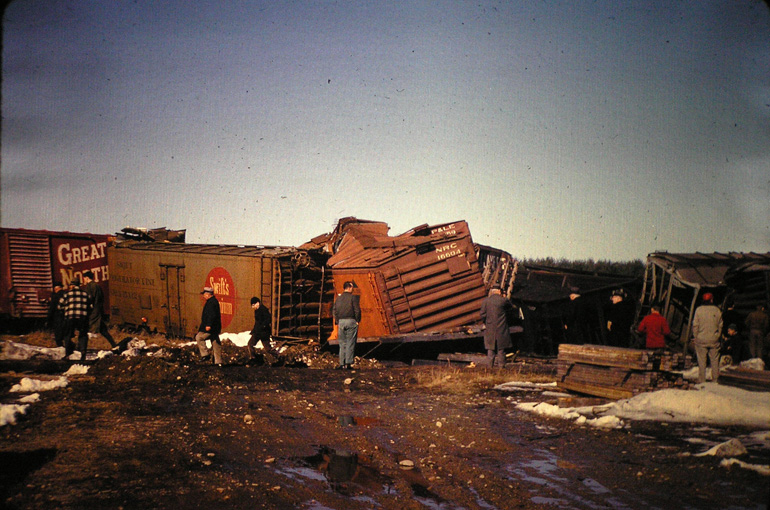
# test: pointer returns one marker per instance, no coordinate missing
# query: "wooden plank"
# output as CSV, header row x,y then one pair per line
x,y
607,356
596,390
752,380
467,358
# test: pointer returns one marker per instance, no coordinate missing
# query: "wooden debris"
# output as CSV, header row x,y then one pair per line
x,y
752,380
479,359
616,372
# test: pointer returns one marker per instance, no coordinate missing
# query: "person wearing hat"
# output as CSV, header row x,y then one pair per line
x,y
347,315
76,306
261,330
620,318
56,314
211,326
497,314
96,321
706,332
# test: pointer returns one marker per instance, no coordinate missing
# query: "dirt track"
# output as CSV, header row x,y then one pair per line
x,y
169,432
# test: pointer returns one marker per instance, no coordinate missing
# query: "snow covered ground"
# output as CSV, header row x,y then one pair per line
x,y
708,404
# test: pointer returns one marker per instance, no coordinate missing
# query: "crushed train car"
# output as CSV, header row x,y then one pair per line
x,y
426,284
552,317
749,285
161,282
677,281
32,260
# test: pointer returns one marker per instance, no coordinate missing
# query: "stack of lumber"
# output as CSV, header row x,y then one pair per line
x,y
753,380
616,372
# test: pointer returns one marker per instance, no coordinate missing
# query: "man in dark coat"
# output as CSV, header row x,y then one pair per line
x,y
620,318
96,322
497,313
347,315
261,330
56,314
211,326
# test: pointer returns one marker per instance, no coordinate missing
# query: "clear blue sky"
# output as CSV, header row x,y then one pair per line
x,y
575,129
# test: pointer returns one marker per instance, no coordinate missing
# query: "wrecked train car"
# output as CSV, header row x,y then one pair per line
x,y
424,284
565,306
677,281
161,282
749,285
32,260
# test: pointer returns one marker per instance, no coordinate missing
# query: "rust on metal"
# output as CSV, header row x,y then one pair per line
x,y
162,282
32,260
426,280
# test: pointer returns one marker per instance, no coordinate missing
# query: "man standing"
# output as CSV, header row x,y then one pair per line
x,y
56,314
757,323
261,330
655,328
620,318
347,315
496,312
211,326
706,331
96,322
76,306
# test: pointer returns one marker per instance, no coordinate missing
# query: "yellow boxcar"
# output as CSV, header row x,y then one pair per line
x,y
160,283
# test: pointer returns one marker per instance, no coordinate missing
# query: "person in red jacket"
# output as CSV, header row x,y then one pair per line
x,y
655,327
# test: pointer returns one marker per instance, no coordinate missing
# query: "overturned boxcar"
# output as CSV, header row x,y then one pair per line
x,y
424,284
32,260
160,283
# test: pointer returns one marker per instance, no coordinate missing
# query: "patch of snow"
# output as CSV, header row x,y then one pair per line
x,y
27,385
77,370
549,410
731,448
709,403
524,386
556,394
30,399
759,468
8,413
239,339
753,364
19,351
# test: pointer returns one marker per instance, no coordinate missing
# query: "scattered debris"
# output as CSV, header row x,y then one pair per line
x,y
616,372
753,380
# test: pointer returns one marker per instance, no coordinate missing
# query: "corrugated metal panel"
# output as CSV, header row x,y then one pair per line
x,y
703,269
426,279
30,263
293,284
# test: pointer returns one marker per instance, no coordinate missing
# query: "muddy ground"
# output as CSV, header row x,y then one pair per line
x,y
167,431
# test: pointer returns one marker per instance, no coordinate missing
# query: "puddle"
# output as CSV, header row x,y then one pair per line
x,y
345,472
352,475
548,471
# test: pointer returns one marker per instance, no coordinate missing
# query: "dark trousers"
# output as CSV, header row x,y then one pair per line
x,y
98,325
81,325
59,330
258,336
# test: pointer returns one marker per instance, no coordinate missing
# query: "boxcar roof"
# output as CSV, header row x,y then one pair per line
x,y
211,249
703,269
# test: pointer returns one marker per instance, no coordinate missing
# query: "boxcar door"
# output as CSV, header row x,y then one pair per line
x,y
173,276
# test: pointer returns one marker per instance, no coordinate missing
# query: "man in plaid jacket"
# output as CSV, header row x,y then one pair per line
x,y
77,305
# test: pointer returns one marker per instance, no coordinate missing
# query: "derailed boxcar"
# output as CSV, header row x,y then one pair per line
x,y
161,282
424,284
32,260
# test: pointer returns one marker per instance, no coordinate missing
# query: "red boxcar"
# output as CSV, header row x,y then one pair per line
x,y
32,260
